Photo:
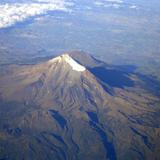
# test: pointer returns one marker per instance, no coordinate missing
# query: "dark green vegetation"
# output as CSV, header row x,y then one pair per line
x,y
49,111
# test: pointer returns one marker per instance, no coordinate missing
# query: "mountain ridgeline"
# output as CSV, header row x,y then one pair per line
x,y
75,107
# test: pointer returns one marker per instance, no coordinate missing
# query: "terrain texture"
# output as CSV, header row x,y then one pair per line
x,y
76,107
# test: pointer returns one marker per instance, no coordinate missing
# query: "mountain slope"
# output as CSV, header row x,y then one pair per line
x,y
59,110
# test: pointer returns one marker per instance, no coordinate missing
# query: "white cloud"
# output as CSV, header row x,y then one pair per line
x,y
133,7
109,3
115,1
116,6
97,3
10,14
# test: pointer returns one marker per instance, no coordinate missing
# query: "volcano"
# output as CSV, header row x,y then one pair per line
x,y
75,107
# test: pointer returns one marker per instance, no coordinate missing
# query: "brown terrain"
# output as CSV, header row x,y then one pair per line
x,y
50,111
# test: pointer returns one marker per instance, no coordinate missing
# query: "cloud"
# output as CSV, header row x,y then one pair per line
x,y
10,14
133,7
97,3
114,4
109,3
115,1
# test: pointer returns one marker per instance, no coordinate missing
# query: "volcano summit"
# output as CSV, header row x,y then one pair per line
x,y
66,58
62,109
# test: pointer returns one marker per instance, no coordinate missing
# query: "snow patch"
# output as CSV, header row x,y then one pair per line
x,y
65,57
75,66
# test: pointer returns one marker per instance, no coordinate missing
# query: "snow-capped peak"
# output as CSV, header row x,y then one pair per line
x,y
65,57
